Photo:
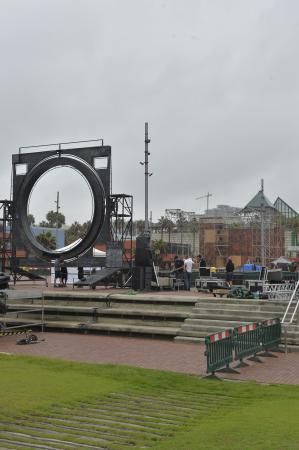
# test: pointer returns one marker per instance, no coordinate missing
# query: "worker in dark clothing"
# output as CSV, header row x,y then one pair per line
x,y
178,268
57,272
64,273
230,267
203,271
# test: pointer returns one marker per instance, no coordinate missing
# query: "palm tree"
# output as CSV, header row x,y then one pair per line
x,y
76,231
140,225
47,240
193,226
55,219
158,248
169,227
181,225
31,219
162,222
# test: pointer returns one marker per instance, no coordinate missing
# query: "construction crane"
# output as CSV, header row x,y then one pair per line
x,y
207,196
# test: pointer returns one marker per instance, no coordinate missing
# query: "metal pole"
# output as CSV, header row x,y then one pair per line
x,y
146,175
262,237
208,196
285,339
57,212
262,228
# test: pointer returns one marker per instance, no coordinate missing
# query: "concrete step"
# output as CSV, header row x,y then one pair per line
x,y
200,333
234,301
114,310
190,318
96,315
249,316
211,308
191,339
114,328
231,323
211,326
146,298
103,303
101,320
94,328
37,307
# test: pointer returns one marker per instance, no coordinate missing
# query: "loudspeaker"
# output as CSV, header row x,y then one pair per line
x,y
143,255
137,278
142,278
204,271
148,276
142,241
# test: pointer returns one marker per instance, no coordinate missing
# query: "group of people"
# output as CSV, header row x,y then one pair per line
x,y
60,273
182,269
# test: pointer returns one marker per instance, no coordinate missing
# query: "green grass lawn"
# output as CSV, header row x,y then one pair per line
x,y
73,405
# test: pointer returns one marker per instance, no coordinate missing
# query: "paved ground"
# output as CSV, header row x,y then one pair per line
x,y
147,353
151,353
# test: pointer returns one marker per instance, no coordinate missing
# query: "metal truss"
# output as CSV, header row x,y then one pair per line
x,y
8,253
120,209
267,233
280,291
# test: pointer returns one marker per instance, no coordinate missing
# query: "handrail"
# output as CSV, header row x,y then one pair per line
x,y
289,305
279,291
6,317
295,310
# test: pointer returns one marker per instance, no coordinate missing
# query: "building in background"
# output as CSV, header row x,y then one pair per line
x,y
260,232
57,233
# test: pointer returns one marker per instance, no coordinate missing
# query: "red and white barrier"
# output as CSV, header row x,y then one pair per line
x,y
245,328
219,336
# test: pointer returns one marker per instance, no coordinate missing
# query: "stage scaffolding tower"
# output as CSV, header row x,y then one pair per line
x,y
8,253
120,209
264,220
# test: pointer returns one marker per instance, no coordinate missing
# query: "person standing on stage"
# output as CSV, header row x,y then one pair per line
x,y
64,273
178,267
230,267
188,264
57,272
202,266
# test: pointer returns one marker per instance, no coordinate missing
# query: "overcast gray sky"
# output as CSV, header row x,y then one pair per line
x,y
217,80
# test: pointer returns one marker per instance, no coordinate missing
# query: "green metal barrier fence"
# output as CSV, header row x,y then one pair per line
x,y
219,350
270,334
290,276
247,341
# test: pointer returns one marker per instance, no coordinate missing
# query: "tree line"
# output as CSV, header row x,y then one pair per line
x,y
77,230
56,220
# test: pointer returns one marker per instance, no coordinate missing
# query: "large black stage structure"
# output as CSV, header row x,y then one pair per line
x,y
111,223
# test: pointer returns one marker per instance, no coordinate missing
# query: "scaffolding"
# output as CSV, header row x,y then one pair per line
x,y
255,235
267,229
285,210
8,255
120,207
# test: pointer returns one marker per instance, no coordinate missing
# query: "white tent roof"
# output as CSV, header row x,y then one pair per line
x,y
281,260
98,253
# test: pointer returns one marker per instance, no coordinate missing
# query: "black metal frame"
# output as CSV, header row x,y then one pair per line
x,y
8,252
38,163
120,211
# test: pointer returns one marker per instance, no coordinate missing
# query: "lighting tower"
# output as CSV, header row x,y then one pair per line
x,y
146,175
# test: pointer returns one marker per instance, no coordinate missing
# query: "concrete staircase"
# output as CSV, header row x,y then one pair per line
x,y
212,315
142,314
171,316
